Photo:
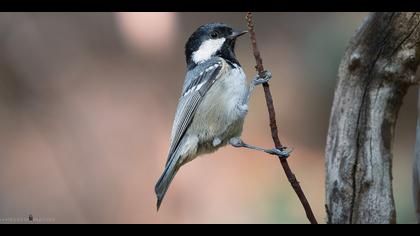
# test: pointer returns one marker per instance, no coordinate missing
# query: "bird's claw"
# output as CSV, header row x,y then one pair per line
x,y
236,142
281,152
264,79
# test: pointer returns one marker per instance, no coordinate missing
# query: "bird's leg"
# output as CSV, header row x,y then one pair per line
x,y
237,142
257,81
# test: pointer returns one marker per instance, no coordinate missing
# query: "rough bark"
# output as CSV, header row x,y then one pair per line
x,y
416,166
378,67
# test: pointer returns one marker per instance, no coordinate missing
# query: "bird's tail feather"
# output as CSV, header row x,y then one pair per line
x,y
164,181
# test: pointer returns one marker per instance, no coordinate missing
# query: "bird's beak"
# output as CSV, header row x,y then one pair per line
x,y
236,34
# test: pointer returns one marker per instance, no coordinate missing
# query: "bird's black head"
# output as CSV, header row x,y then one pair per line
x,y
214,39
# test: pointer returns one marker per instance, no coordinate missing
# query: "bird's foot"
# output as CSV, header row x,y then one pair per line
x,y
236,142
281,152
264,79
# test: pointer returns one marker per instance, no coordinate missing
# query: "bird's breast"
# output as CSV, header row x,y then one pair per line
x,y
222,110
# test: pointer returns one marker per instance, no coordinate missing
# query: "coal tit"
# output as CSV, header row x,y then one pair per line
x,y
213,103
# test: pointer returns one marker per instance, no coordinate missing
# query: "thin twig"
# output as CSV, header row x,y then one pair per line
x,y
273,124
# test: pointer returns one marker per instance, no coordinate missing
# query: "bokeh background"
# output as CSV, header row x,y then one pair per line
x,y
86,108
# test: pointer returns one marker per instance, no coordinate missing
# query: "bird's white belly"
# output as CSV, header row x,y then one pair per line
x,y
234,92
222,111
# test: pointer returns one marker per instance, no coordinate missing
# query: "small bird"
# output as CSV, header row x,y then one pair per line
x,y
213,102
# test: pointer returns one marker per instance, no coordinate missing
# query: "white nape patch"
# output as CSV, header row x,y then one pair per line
x,y
207,49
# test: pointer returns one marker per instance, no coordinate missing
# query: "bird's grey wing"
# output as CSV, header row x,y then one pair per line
x,y
194,91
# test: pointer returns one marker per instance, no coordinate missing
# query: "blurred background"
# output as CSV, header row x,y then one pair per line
x,y
87,102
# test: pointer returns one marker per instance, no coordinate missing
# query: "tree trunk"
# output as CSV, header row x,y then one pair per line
x,y
378,67
416,166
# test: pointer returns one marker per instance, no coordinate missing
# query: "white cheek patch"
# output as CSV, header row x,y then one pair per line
x,y
207,49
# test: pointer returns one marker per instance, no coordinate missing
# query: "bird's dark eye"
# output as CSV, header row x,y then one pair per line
x,y
214,34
